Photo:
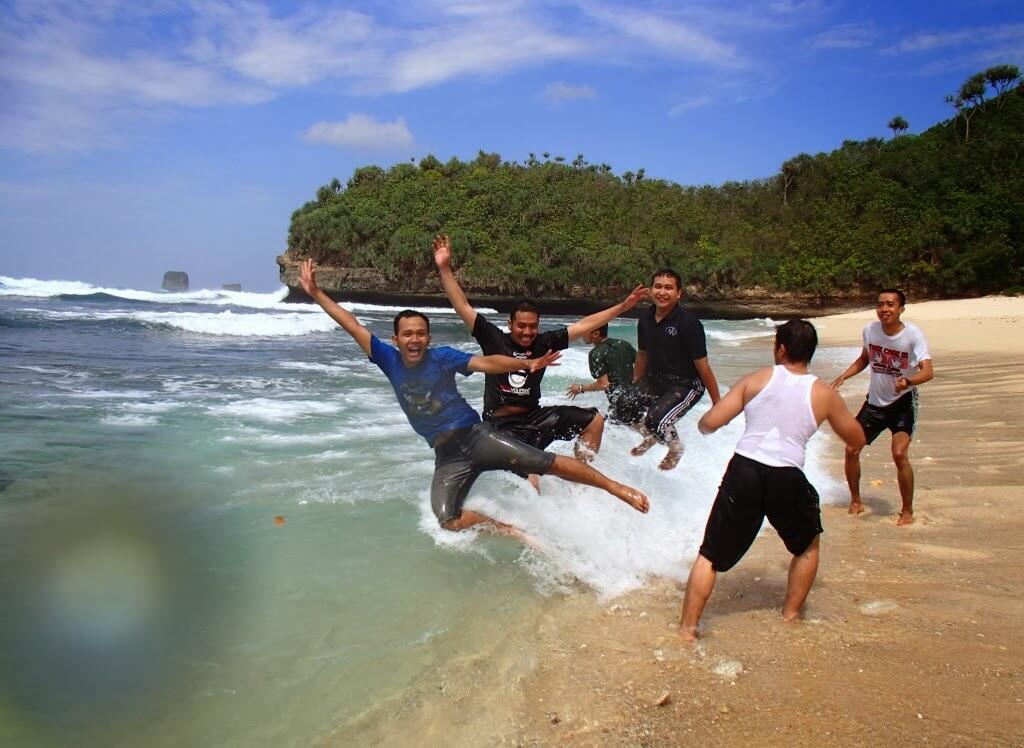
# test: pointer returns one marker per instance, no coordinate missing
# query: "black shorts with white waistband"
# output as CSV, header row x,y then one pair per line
x,y
751,491
897,416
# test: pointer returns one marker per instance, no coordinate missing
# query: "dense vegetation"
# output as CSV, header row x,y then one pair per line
x,y
941,212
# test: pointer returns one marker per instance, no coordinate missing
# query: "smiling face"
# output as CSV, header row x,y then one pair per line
x,y
524,327
412,339
888,309
665,293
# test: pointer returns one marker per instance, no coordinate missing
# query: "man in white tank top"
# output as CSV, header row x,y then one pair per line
x,y
900,361
783,407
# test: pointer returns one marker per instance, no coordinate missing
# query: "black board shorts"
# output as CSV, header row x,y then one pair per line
x,y
751,491
465,453
626,405
540,427
897,416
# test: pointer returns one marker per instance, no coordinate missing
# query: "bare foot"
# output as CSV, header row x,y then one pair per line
x,y
534,480
641,449
671,459
688,633
906,518
792,617
856,507
632,497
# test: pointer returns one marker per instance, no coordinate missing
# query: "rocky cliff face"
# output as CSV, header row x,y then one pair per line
x,y
369,285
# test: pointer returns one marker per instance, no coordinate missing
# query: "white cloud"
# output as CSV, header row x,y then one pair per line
x,y
85,71
983,36
847,36
362,132
664,35
694,103
560,91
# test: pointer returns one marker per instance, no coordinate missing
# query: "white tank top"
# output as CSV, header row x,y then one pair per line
x,y
779,420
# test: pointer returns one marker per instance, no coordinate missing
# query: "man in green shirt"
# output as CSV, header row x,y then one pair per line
x,y
611,365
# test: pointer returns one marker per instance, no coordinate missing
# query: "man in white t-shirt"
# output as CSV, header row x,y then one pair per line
x,y
900,361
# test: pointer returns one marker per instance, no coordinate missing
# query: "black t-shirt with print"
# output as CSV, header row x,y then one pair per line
x,y
520,387
672,345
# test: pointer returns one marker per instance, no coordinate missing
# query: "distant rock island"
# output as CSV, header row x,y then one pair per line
x,y
231,287
175,280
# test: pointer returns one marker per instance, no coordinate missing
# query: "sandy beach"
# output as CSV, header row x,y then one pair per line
x,y
911,635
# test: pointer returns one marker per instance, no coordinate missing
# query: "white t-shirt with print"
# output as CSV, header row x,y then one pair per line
x,y
891,357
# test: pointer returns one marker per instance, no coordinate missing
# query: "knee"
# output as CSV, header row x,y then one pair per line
x,y
901,458
853,452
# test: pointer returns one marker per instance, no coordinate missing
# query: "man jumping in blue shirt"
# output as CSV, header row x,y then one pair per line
x,y
423,379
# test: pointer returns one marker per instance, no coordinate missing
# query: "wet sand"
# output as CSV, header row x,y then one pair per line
x,y
911,635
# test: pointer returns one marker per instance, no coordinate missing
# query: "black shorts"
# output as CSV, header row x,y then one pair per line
x,y
751,491
666,402
460,459
540,427
898,416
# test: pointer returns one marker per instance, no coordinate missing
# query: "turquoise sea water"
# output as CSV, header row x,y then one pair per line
x,y
149,441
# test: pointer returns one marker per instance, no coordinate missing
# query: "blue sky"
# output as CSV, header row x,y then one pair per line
x,y
141,137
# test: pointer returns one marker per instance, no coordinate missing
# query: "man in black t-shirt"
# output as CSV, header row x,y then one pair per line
x,y
512,401
671,366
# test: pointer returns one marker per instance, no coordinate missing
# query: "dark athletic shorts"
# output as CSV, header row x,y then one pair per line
x,y
625,405
461,457
667,401
750,491
540,427
898,416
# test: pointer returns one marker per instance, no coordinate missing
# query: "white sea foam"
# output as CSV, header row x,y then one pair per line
x,y
267,409
129,420
35,288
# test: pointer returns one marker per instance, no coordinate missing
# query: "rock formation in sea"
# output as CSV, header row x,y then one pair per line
x,y
231,287
175,280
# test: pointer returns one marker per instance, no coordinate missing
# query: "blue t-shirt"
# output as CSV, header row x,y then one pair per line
x,y
427,392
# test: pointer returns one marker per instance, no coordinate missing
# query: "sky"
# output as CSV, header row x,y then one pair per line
x,y
140,137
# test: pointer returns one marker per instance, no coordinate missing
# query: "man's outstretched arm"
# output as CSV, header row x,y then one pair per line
x,y
597,319
452,289
498,364
727,407
708,378
859,365
345,318
845,426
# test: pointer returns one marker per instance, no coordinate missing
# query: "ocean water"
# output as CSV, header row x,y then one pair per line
x,y
215,524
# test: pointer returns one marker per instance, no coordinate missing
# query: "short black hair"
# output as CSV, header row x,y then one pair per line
x,y
603,330
800,339
405,313
902,296
524,305
670,273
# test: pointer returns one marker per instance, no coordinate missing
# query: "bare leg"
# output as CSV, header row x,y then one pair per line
x,y
579,472
470,518
851,464
904,475
672,457
698,590
802,571
534,480
589,443
643,447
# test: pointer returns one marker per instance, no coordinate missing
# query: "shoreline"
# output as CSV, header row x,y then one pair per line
x,y
899,620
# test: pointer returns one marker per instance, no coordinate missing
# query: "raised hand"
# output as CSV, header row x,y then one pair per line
x,y
548,359
638,294
307,277
442,251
